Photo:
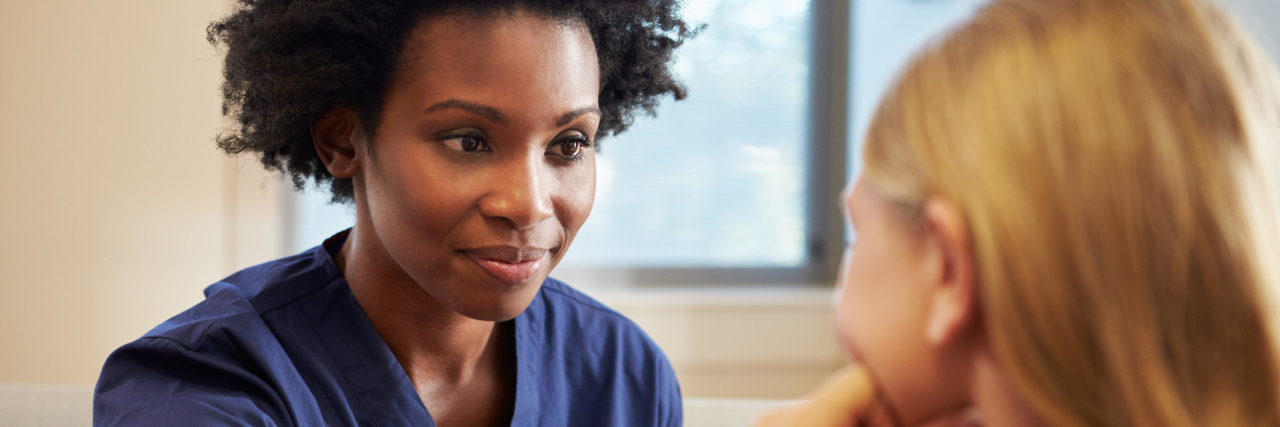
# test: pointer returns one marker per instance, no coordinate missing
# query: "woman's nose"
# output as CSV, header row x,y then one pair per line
x,y
519,193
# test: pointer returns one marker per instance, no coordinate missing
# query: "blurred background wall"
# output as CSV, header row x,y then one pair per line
x,y
116,209
112,198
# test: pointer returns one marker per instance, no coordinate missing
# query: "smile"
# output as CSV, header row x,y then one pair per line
x,y
509,264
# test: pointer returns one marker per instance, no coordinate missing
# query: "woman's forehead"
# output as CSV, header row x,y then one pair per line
x,y
461,30
520,67
517,44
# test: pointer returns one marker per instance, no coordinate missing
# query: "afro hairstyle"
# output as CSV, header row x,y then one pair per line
x,y
288,62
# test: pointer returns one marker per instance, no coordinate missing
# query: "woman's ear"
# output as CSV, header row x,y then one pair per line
x,y
340,141
953,305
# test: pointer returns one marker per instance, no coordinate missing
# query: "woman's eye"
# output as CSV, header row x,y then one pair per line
x,y
467,142
569,147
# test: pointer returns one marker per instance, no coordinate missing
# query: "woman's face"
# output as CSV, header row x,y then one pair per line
x,y
482,169
882,301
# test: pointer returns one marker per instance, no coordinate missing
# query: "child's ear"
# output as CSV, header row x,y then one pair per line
x,y
340,141
953,304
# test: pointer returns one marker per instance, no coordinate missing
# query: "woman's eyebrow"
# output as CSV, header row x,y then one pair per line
x,y
496,116
478,109
568,117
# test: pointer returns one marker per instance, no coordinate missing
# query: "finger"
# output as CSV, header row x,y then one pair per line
x,y
781,416
837,402
848,391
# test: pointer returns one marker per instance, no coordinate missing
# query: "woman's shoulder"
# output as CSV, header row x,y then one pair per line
x,y
219,358
216,360
236,304
224,310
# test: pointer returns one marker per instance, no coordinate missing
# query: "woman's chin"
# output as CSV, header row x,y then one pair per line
x,y
494,305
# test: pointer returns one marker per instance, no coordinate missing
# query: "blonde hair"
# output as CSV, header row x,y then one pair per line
x,y
1116,163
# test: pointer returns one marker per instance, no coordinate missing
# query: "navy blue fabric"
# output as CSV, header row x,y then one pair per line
x,y
286,343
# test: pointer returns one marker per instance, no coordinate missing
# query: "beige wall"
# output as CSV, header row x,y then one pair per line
x,y
115,207
775,343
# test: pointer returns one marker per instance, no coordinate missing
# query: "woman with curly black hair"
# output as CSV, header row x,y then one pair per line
x,y
464,133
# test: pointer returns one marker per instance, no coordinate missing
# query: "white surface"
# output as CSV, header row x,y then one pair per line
x,y
46,405
59,405
704,412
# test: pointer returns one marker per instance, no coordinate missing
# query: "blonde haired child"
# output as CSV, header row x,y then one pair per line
x,y
1068,217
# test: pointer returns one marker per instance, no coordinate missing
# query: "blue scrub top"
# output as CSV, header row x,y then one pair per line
x,y
286,343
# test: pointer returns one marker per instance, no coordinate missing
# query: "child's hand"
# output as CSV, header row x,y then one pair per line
x,y
846,399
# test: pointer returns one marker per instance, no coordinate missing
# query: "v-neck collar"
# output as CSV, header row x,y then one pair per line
x,y
378,382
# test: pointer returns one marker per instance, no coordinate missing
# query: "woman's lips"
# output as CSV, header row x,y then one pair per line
x,y
511,265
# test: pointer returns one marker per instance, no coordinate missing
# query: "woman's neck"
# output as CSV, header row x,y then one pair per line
x,y
431,342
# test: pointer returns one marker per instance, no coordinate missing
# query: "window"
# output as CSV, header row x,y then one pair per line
x,y
717,180
315,219
885,33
